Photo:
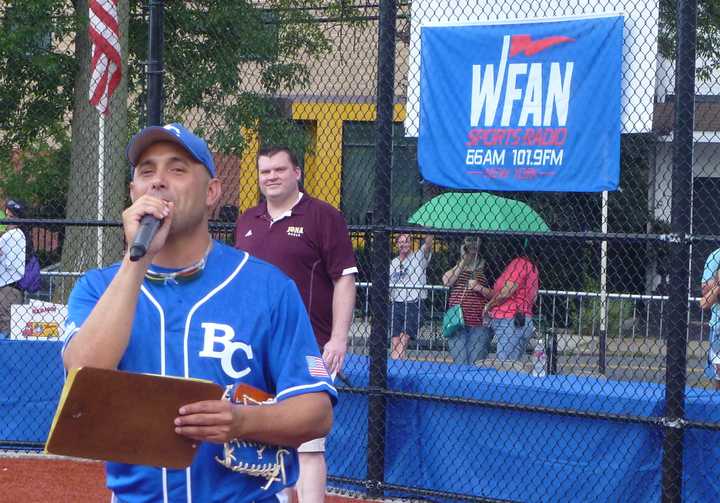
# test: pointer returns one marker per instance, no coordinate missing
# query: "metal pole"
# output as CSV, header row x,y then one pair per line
x,y
675,377
602,341
155,63
381,248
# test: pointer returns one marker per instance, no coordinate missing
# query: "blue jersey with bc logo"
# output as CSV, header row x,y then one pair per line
x,y
240,320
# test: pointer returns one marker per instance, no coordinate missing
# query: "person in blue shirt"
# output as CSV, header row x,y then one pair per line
x,y
709,300
193,307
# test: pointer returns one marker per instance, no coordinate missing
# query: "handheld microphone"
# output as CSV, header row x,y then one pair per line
x,y
146,232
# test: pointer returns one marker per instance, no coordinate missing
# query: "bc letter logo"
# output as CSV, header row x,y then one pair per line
x,y
218,334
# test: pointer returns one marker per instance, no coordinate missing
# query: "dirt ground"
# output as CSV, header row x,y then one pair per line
x,y
40,479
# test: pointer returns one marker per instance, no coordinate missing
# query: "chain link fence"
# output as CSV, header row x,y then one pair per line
x,y
603,392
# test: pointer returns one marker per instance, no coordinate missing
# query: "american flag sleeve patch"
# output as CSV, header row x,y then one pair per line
x,y
316,367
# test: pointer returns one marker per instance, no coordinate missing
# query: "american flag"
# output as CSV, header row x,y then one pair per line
x,y
106,64
316,366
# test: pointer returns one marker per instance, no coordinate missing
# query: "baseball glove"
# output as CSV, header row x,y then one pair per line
x,y
249,457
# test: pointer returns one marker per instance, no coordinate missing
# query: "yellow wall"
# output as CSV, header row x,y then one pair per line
x,y
323,166
248,190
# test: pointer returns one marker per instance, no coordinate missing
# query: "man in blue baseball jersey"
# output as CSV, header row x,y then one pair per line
x,y
193,307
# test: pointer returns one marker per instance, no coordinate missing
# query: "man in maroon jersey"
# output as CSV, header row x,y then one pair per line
x,y
308,240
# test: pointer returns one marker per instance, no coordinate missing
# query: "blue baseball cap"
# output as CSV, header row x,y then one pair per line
x,y
174,133
16,207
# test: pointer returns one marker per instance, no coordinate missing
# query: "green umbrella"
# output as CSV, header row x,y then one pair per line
x,y
478,211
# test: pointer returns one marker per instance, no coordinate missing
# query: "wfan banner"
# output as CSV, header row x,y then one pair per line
x,y
522,106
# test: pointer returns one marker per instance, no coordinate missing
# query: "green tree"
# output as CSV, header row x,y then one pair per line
x,y
35,96
225,63
708,33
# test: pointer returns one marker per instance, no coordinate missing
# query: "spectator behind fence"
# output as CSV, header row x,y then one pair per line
x,y
13,248
510,308
468,287
197,308
307,239
408,277
709,300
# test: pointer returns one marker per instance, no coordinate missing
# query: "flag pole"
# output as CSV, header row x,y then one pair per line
x,y
101,188
105,76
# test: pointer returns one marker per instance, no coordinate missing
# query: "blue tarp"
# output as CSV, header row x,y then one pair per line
x,y
522,455
484,451
31,377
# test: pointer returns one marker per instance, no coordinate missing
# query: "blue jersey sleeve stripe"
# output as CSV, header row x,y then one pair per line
x,y
308,388
66,338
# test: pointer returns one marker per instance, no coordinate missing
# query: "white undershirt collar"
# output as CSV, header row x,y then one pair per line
x,y
288,213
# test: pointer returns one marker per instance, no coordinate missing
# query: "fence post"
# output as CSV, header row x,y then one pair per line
x,y
381,248
155,70
551,350
675,378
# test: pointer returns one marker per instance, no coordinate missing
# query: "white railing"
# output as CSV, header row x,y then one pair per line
x,y
631,348
629,316
58,284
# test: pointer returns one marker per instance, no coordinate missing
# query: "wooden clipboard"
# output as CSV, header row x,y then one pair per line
x,y
126,417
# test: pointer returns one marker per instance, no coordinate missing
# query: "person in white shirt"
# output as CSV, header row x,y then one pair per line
x,y
408,278
12,264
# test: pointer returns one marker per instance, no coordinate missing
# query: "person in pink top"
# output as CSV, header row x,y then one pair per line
x,y
510,309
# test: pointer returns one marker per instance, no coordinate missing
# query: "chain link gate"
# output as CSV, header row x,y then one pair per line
x,y
603,395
